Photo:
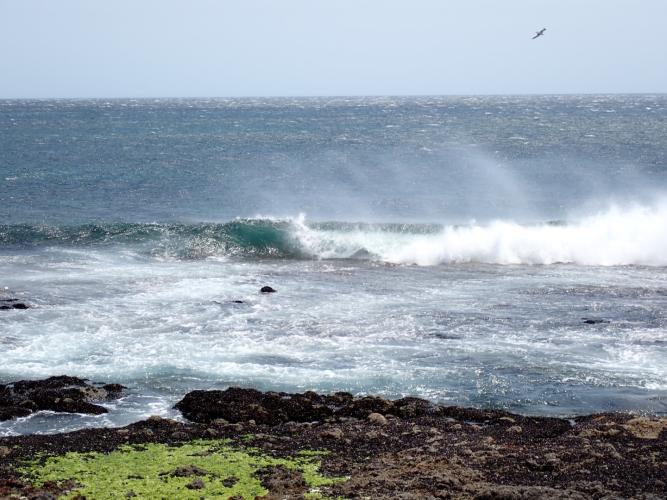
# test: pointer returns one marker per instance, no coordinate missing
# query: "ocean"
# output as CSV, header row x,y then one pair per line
x,y
495,251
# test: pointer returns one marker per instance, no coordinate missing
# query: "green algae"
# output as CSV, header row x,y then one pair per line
x,y
153,471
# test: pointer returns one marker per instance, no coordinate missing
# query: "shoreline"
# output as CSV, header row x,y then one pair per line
x,y
330,446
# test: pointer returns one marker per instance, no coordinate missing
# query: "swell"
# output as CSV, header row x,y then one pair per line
x,y
630,236
182,241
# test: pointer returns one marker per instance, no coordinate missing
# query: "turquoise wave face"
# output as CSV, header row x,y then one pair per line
x,y
250,237
243,237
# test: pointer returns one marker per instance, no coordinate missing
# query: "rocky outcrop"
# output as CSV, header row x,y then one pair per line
x,y
60,394
407,448
271,408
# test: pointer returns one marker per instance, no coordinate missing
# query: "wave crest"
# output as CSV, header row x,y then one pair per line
x,y
620,236
631,236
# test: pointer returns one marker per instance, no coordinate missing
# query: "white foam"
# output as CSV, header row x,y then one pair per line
x,y
635,235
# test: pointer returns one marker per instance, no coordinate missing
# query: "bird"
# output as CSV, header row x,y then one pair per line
x,y
539,33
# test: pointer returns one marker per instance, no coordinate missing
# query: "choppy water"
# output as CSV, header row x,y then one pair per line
x,y
448,248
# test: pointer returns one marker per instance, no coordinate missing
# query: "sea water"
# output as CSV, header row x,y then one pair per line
x,y
505,252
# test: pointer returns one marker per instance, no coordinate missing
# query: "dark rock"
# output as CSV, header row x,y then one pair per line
x,y
114,391
335,434
271,408
6,304
230,481
9,412
237,302
411,407
188,471
242,405
362,407
267,289
60,394
196,484
594,321
18,305
283,482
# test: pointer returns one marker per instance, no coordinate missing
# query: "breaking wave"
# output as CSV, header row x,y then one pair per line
x,y
619,236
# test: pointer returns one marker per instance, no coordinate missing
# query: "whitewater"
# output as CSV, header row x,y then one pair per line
x,y
505,252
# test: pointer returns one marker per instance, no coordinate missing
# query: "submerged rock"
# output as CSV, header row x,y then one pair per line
x,y
59,394
594,321
6,304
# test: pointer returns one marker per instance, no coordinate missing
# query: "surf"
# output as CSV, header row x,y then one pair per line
x,y
618,236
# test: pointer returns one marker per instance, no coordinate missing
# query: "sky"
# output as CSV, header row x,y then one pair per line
x,y
224,48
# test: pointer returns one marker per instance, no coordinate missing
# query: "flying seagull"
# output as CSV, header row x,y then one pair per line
x,y
539,33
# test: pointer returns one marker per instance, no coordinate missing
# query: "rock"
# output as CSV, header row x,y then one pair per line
x,y
196,484
9,412
188,471
516,429
335,434
271,408
646,428
411,407
6,304
242,405
377,419
362,407
230,481
267,289
282,482
59,394
594,321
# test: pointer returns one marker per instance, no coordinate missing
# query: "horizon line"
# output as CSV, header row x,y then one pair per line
x,y
327,96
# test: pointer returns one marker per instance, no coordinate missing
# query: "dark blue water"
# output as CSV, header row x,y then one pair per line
x,y
437,159
445,247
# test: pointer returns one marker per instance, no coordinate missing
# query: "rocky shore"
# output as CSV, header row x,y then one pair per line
x,y
242,443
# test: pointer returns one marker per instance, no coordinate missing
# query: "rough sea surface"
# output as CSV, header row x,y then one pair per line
x,y
506,252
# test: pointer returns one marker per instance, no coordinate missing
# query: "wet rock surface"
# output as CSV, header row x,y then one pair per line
x,y
271,408
60,394
417,450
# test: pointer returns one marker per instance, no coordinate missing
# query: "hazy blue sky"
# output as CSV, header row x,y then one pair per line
x,y
128,48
